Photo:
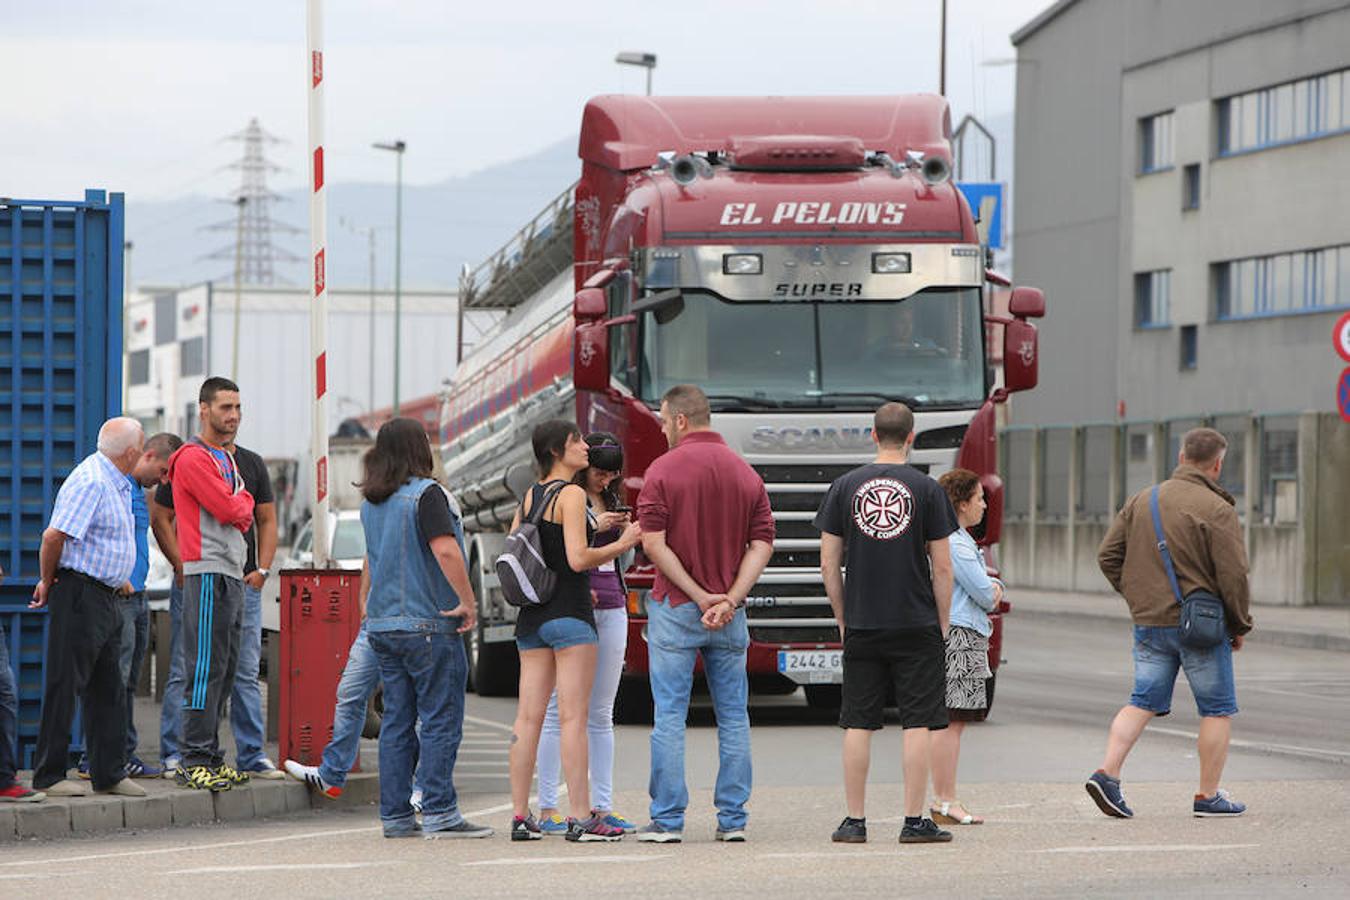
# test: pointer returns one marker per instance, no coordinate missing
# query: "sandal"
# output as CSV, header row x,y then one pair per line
x,y
943,814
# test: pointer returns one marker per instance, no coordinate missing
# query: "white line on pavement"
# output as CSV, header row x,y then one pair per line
x,y
821,854
488,722
1150,848
1290,749
279,867
560,860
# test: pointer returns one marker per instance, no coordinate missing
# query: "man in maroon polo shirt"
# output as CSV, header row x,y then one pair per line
x,y
707,526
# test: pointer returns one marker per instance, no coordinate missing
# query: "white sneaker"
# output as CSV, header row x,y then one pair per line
x,y
266,770
171,766
416,801
310,776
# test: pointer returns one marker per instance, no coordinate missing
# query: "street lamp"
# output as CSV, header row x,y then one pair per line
x,y
397,147
641,60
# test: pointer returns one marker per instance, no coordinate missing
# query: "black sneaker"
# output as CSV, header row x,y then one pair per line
x,y
850,831
463,829
525,828
926,832
592,829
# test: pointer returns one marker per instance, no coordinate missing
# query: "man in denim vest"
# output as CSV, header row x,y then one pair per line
x,y
1206,543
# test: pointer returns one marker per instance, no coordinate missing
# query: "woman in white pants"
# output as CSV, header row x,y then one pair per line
x,y
601,479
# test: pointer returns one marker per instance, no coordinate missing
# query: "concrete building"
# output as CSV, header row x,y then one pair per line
x,y
1182,171
176,337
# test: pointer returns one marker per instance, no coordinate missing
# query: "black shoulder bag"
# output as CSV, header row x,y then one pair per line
x,y
1202,622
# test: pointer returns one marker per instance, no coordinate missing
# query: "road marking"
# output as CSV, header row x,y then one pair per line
x,y
560,860
1341,756
1150,848
489,723
225,845
823,854
279,867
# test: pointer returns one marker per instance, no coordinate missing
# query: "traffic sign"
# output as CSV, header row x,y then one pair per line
x,y
977,192
1340,335
1343,395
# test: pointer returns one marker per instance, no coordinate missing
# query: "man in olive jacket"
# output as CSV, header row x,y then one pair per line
x,y
1205,539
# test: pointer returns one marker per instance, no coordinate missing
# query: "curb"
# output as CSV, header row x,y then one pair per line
x,y
169,806
1302,640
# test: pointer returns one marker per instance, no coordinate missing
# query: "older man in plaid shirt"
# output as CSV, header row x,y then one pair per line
x,y
87,556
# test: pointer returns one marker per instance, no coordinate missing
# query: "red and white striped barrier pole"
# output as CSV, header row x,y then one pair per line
x,y
318,317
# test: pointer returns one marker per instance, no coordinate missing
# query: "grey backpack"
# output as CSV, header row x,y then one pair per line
x,y
525,577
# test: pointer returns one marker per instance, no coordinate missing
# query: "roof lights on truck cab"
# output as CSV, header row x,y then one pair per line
x,y
742,264
891,263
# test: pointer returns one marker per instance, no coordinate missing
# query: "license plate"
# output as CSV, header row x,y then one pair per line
x,y
812,666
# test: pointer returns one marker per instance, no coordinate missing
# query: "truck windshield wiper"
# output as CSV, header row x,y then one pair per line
x,y
732,400
825,397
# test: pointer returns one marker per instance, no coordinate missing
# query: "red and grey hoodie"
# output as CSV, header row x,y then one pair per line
x,y
211,509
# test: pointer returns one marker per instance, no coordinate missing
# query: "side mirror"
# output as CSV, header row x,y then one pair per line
x,y
589,305
1027,303
590,356
1021,356
990,528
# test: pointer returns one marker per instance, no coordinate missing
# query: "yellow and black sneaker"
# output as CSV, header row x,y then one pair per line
x,y
232,775
201,778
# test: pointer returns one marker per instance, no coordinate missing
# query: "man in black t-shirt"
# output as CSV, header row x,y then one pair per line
x,y
246,719
892,521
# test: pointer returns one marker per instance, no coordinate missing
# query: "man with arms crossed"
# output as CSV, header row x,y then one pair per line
x,y
893,521
707,526
1205,540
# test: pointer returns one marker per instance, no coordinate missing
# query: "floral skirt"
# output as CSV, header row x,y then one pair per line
x,y
967,669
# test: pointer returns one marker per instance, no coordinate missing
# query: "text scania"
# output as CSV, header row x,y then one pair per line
x,y
813,213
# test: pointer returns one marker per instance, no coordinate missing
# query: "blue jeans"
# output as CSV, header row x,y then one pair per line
x,y
9,712
135,639
1159,653
246,717
675,637
424,676
171,711
360,678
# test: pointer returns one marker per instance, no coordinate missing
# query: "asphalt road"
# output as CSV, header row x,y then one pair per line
x,y
1023,770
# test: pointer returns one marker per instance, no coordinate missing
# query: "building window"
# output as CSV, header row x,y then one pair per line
x,y
1190,186
1155,143
1152,298
1284,114
1306,281
138,367
166,318
1188,348
192,359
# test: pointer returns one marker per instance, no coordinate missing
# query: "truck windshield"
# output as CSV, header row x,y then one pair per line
x,y
927,350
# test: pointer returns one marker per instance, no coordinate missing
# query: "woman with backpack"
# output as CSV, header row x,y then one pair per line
x,y
418,601
605,510
557,637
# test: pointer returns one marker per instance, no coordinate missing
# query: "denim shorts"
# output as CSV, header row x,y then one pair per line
x,y
1159,653
559,634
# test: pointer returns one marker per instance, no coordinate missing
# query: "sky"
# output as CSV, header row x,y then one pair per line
x,y
141,95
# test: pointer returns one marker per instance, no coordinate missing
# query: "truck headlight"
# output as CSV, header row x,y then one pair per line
x,y
890,263
742,264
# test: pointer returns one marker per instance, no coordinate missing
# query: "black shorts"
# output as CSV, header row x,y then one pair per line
x,y
909,661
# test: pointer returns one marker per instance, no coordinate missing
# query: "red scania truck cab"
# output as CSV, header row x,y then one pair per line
x,y
802,260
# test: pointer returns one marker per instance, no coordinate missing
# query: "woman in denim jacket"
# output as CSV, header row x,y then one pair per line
x,y
974,596
418,601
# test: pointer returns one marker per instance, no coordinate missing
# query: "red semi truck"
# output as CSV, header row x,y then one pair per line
x,y
803,260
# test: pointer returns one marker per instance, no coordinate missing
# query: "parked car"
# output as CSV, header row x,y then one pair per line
x,y
347,543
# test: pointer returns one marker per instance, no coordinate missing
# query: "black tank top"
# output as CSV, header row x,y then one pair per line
x,y
572,598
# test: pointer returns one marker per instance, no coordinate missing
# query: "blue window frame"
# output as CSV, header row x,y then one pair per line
x,y
1152,298
1284,114
1304,281
1156,143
